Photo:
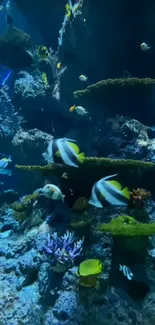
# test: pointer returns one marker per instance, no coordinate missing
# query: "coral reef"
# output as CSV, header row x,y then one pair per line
x,y
62,250
22,204
29,141
127,226
16,49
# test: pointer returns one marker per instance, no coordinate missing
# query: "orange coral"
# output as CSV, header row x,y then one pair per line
x,y
138,196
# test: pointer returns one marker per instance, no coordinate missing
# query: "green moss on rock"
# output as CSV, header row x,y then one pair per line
x,y
127,226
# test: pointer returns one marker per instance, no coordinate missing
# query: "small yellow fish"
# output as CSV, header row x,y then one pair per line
x,y
59,65
43,52
44,79
78,109
72,108
82,77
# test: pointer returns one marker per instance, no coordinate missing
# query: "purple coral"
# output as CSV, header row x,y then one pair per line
x,y
63,249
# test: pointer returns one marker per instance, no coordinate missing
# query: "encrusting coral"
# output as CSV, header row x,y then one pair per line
x,y
20,206
109,83
127,226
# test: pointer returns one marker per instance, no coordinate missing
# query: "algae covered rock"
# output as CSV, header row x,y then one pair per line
x,y
16,49
127,226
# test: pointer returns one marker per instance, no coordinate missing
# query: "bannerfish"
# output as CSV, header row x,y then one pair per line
x,y
79,110
111,191
53,192
83,78
145,47
4,162
126,271
66,149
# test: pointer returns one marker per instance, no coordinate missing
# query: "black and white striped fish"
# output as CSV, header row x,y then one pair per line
x,y
126,271
111,191
66,149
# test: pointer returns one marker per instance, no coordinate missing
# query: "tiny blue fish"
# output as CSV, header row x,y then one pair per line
x,y
126,271
4,162
5,78
7,172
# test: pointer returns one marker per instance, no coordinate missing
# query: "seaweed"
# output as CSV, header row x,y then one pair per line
x,y
127,226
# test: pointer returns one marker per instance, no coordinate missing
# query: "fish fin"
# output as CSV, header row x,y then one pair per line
x,y
116,184
95,202
63,198
126,193
81,157
120,267
107,177
9,172
48,158
70,140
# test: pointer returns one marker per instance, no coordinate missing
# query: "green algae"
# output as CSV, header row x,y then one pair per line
x,y
127,226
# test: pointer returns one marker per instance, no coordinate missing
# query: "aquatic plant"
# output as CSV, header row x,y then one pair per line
x,y
88,271
127,226
100,86
62,250
138,197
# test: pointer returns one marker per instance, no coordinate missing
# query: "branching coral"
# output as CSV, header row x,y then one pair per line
x,y
62,250
92,162
138,197
103,84
127,226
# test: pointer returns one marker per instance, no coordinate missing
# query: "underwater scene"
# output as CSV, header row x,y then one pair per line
x,y
77,162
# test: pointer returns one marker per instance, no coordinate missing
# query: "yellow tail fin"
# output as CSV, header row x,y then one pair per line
x,y
81,157
126,193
